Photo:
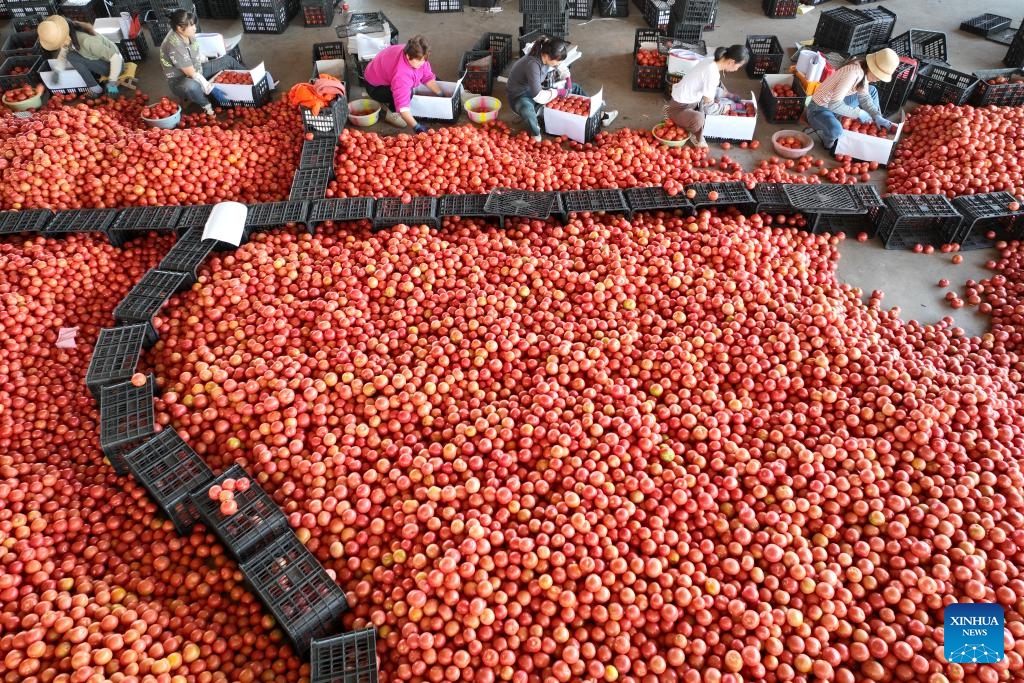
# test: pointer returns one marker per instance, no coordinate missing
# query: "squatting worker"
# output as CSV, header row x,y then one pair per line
x,y
392,76
79,47
700,92
526,78
186,69
848,92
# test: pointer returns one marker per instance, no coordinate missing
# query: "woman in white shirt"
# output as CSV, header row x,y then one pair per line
x,y
700,91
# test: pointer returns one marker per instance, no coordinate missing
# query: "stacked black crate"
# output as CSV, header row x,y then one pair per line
x,y
549,17
217,9
265,16
689,18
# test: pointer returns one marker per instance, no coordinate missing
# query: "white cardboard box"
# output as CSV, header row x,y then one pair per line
x,y
732,127
242,93
332,67
681,61
427,105
869,147
69,78
573,126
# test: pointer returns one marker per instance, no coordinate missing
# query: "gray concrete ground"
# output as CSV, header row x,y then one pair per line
x,y
908,279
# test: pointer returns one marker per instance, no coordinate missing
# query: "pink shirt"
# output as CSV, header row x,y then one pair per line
x,y
390,67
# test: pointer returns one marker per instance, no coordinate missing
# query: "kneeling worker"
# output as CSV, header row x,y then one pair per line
x,y
79,47
186,68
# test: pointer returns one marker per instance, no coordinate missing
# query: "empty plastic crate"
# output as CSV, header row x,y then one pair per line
x,y
188,254
820,198
687,33
1008,93
337,210
910,219
274,21
310,183
347,658
984,24
921,45
79,221
555,25
462,205
592,201
319,151
500,47
729,194
656,14
892,95
778,108
432,6
504,202
257,523
217,9
148,296
476,70
1015,53
332,50
329,121
984,213
655,199
845,30
169,470
391,211
24,221
766,55
771,198
126,419
138,220
937,84
693,11
276,214
115,356
581,9
543,6
885,20
193,216
297,590
780,9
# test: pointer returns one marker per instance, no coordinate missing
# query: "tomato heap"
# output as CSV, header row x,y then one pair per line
x,y
791,142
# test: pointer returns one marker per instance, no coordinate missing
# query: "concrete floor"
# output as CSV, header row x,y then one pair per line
x,y
908,279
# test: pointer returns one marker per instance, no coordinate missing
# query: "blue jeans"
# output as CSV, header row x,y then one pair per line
x,y
525,106
823,120
88,69
189,91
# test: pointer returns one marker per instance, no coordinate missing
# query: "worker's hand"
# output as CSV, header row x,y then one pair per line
x,y
112,89
420,128
863,116
220,96
203,59
884,123
563,72
562,92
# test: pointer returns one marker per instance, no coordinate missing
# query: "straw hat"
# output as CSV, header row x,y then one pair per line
x,y
53,32
882,63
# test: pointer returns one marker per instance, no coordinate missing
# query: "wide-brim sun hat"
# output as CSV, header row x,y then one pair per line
x,y
53,32
883,63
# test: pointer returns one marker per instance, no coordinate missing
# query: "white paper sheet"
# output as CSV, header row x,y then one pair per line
x,y
226,223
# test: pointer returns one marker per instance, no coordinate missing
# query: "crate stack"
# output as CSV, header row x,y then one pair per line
x,y
844,30
434,6
656,13
650,66
217,9
477,71
499,45
22,9
85,11
688,19
264,16
1015,54
581,9
766,55
549,17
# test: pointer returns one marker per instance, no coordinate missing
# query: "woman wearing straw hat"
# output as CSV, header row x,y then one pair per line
x,y
80,47
848,92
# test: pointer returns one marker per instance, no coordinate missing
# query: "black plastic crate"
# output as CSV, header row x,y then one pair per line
x,y
527,37
477,79
581,9
138,220
275,21
909,219
693,11
217,9
613,8
462,205
338,210
126,419
367,22
317,12
86,13
329,121
850,225
27,220
656,14
647,78
937,84
555,25
1008,94
332,50
28,23
505,202
500,47
593,201
262,5
10,80
729,194
188,253
276,214
780,9
543,6
771,198
885,21
1015,53
893,95
434,6
115,356
310,183
258,522
21,43
845,30
984,24
79,221
984,213
686,33
348,658
297,590
778,109
766,55
194,216
921,45
819,198
170,470
868,198
319,151
158,30
148,296
28,8
134,49
390,211
655,199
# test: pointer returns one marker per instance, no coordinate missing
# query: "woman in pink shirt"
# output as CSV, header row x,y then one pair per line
x,y
392,76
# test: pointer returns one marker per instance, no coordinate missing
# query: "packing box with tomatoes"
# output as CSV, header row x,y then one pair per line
x,y
444,107
574,116
244,88
738,125
870,147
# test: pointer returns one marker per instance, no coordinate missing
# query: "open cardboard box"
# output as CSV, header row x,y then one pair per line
x,y
427,105
69,78
242,93
868,147
573,126
732,127
213,45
